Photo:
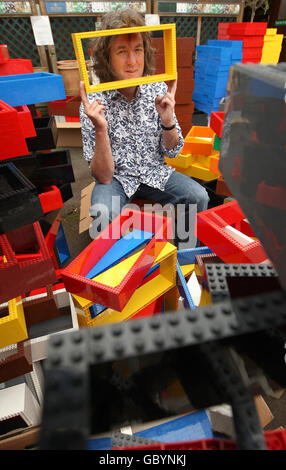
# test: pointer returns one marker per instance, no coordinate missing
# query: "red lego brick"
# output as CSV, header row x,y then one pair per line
x,y
73,275
12,138
216,122
67,107
247,29
4,53
51,199
26,121
252,53
275,440
19,362
50,239
16,66
212,230
23,272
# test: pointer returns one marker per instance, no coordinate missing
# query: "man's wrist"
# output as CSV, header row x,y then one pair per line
x,y
168,128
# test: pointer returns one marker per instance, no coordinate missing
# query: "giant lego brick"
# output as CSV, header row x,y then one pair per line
x,y
15,360
46,134
20,204
31,88
16,66
87,353
4,53
253,162
12,136
220,229
21,273
26,121
74,275
52,168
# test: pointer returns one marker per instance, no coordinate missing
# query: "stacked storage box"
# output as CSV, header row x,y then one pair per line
x,y
252,35
271,47
212,70
185,87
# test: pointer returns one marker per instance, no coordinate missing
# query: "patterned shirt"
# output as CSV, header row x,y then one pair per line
x,y
135,135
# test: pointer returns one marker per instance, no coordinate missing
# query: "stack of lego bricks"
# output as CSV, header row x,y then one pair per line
x,y
198,158
272,46
252,35
212,72
185,87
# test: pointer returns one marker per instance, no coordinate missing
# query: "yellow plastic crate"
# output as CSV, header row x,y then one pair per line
x,y
169,31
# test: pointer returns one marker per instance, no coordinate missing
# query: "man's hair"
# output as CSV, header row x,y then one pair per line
x,y
100,46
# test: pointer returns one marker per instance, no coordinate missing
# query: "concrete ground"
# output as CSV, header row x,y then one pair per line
x,y
70,215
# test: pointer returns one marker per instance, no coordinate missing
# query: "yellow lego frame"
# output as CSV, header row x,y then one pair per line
x,y
169,31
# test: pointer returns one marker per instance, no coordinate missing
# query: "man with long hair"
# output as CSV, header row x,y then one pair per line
x,y
126,133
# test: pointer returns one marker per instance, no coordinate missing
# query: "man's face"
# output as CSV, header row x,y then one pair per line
x,y
127,56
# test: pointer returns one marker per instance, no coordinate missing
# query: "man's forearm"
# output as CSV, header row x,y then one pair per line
x,y
170,138
102,164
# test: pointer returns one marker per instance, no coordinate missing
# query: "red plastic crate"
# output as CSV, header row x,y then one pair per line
x,y
216,122
4,53
73,275
22,273
12,138
210,231
51,199
16,66
26,121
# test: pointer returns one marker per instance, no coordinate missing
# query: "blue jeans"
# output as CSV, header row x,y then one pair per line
x,y
179,190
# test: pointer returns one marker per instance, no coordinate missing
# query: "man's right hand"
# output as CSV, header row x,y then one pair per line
x,y
94,110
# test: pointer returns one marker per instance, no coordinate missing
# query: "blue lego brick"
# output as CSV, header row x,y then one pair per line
x,y
61,245
216,89
225,43
222,55
192,426
188,255
96,309
123,247
31,88
184,290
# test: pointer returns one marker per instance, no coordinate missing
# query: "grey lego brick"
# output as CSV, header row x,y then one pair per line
x,y
172,330
119,439
223,371
66,403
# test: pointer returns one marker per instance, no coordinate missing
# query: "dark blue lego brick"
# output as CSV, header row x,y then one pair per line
x,y
184,290
123,247
31,88
61,245
96,309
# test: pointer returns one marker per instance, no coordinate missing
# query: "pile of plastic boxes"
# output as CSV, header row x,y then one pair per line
x,y
212,71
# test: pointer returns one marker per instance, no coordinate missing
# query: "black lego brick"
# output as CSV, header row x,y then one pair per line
x,y
52,168
19,202
47,134
238,280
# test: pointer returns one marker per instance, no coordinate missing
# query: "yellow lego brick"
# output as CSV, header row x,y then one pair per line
x,y
198,171
146,293
13,326
271,32
113,276
205,298
182,160
169,31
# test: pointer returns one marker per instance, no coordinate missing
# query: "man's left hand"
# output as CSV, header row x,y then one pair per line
x,y
165,105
